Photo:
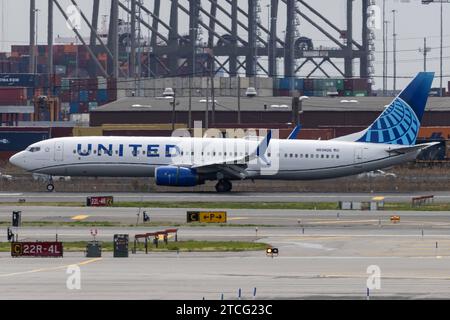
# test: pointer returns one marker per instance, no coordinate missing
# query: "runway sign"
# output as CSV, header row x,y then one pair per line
x,y
207,216
100,201
37,249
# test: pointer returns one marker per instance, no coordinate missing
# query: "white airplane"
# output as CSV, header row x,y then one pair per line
x,y
186,161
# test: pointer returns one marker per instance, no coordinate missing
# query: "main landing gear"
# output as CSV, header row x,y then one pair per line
x,y
50,185
223,186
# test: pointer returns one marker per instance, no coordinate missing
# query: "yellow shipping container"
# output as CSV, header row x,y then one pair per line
x,y
164,126
87,132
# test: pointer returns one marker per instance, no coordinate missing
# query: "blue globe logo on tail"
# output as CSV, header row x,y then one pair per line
x,y
397,125
400,122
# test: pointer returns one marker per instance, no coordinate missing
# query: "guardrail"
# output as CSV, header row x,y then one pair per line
x,y
421,200
155,236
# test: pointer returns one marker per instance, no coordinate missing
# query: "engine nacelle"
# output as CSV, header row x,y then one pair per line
x,y
176,177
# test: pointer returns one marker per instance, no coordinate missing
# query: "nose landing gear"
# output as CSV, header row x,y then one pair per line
x,y
50,185
223,186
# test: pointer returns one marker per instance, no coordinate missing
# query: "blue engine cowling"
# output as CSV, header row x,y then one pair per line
x,y
176,177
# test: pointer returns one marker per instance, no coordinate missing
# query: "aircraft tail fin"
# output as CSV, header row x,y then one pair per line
x,y
295,132
400,122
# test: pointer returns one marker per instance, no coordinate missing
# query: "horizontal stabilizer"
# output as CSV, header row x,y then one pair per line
x,y
418,147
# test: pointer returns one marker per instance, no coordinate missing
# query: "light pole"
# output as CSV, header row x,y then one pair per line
x,y
394,39
442,36
36,51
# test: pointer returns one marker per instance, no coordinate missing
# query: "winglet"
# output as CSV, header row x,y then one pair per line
x,y
262,148
295,132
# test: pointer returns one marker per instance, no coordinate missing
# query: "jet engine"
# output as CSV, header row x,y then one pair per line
x,y
176,177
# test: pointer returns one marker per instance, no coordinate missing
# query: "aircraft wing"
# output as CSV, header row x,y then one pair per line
x,y
418,147
235,167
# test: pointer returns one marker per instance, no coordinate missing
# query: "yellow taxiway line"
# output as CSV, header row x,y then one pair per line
x,y
83,263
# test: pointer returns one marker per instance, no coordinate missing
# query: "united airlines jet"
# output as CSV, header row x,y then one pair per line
x,y
190,161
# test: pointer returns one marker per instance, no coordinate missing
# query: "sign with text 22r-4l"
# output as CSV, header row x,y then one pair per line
x,y
37,249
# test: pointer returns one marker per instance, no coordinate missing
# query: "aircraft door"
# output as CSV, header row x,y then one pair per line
x,y
59,151
359,155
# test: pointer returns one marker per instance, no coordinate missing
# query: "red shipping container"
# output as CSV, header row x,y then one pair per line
x,y
65,96
13,96
84,107
92,95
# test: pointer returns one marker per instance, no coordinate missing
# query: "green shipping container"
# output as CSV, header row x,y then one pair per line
x,y
348,93
360,93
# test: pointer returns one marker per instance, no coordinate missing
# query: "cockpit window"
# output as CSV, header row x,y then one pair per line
x,y
34,149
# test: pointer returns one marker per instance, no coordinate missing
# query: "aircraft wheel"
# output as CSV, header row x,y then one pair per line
x,y
50,187
223,186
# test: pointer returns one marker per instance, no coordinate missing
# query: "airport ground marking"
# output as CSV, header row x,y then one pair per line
x,y
83,263
80,217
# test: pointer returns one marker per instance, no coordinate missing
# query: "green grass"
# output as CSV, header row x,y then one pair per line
x,y
410,207
243,205
182,246
232,205
108,224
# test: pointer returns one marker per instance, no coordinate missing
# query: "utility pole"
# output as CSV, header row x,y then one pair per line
x,y
32,35
394,36
386,24
239,99
207,105
424,51
213,95
384,47
441,50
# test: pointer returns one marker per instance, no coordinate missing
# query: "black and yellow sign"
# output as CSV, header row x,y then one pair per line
x,y
207,216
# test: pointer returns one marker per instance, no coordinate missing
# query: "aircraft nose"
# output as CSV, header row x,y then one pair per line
x,y
17,160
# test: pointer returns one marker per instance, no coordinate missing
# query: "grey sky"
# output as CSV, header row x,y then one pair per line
x,y
414,22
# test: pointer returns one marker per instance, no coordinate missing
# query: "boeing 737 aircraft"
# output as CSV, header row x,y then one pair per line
x,y
187,161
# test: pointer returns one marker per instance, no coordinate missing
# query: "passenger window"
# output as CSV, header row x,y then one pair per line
x,y
322,156
337,156
306,156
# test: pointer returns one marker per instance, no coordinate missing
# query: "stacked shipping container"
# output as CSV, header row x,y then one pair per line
x,y
321,87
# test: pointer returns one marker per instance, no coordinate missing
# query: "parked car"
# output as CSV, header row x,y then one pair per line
x,y
6,177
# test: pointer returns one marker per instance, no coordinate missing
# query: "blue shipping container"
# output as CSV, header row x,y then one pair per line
x,y
74,107
18,141
17,80
84,96
299,84
285,83
102,95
